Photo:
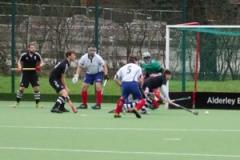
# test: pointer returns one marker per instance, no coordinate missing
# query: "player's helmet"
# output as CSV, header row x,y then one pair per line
x,y
146,54
146,57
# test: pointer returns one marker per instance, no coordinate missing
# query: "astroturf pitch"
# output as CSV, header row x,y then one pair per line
x,y
37,134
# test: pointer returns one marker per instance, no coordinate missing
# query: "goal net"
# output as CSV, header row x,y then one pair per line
x,y
203,57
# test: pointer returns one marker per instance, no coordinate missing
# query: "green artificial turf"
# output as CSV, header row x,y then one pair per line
x,y
37,134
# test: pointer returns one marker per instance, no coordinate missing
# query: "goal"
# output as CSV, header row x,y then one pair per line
x,y
205,52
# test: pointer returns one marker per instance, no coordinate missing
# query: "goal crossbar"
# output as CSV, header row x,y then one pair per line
x,y
202,26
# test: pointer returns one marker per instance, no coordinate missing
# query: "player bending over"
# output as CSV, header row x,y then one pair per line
x,y
152,84
128,77
96,70
32,62
57,81
152,94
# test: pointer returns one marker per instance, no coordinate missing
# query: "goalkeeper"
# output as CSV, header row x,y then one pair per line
x,y
151,67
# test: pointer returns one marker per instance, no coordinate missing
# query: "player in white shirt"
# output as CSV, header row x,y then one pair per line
x,y
95,69
129,77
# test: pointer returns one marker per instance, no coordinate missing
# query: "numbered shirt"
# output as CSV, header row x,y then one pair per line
x,y
59,69
92,65
129,73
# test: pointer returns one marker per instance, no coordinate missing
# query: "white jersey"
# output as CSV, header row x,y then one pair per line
x,y
93,65
129,73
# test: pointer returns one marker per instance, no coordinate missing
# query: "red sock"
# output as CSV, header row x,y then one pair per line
x,y
155,104
140,104
119,105
99,97
84,97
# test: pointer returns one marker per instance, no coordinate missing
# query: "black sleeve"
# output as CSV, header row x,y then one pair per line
x,y
22,57
164,81
39,57
62,68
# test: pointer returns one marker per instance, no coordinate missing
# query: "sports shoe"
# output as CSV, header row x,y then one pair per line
x,y
96,106
64,110
82,106
144,111
56,110
136,113
117,115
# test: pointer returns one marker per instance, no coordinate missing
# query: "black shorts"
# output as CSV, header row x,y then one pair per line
x,y
29,78
56,85
147,86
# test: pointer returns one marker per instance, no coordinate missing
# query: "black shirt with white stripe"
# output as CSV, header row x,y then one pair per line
x,y
30,60
59,69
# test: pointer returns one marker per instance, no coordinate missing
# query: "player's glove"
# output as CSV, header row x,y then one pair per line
x,y
38,68
19,69
106,77
75,78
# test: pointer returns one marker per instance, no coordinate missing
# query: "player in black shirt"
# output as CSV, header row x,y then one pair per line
x,y
152,84
57,81
29,60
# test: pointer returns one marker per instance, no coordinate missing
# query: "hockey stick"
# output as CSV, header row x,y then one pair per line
x,y
186,109
104,84
181,99
23,69
174,100
70,104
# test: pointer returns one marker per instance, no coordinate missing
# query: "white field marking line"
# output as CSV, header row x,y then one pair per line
x,y
172,139
122,129
121,152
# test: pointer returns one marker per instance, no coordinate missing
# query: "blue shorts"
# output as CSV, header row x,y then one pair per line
x,y
131,88
91,78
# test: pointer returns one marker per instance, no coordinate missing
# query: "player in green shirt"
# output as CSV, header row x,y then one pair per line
x,y
150,66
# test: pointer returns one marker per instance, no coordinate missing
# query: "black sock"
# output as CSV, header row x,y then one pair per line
x,y
59,102
37,101
19,96
62,106
37,97
18,100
